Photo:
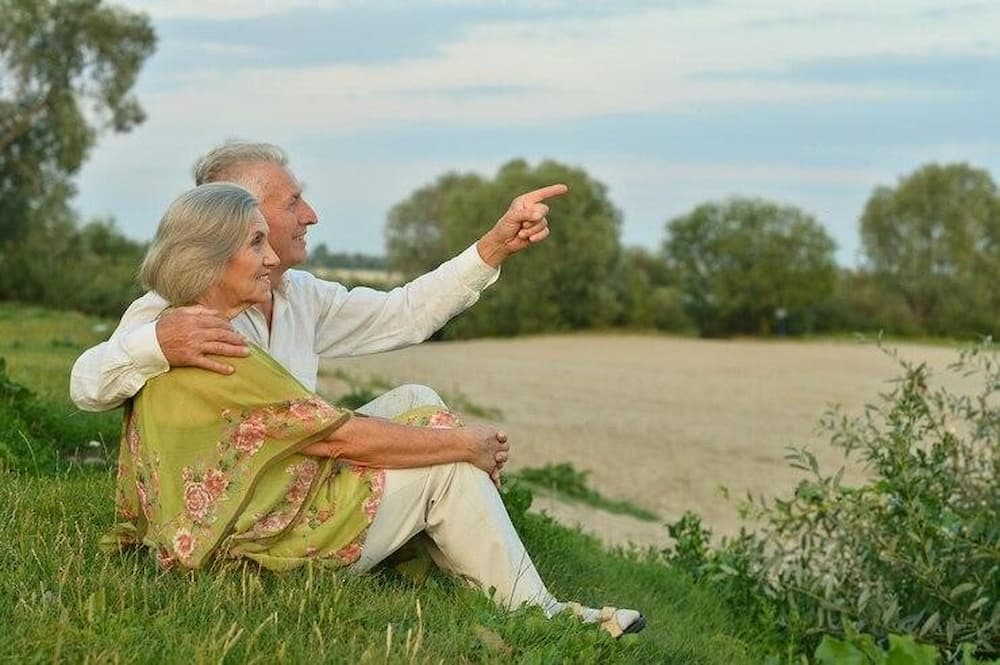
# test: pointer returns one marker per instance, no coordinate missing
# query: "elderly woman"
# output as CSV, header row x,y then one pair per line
x,y
252,465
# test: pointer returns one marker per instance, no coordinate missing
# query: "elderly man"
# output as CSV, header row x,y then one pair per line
x,y
307,318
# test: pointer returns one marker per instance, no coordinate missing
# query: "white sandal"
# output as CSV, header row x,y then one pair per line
x,y
616,622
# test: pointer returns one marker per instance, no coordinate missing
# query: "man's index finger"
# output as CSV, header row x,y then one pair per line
x,y
545,193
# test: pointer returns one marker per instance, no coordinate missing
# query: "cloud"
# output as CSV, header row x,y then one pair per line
x,y
670,104
572,67
225,9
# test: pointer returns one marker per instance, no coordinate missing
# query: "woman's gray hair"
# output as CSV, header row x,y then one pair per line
x,y
200,231
225,162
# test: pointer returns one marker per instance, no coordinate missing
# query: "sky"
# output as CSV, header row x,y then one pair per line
x,y
670,104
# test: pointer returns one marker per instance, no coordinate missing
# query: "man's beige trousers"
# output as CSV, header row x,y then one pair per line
x,y
458,507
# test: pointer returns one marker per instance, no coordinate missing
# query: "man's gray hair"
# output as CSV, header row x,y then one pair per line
x,y
225,163
200,231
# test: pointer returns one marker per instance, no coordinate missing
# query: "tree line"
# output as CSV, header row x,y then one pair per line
x,y
931,243
739,266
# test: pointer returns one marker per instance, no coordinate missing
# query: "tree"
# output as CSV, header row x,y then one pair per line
x,y
646,289
745,262
67,68
934,239
562,283
419,230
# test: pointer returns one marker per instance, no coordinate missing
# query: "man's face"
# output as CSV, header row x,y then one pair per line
x,y
288,215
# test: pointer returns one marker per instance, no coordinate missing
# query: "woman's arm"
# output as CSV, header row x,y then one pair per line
x,y
378,442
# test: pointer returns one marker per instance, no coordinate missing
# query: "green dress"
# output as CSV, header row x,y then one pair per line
x,y
210,468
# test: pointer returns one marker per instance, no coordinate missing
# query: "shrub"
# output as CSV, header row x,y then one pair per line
x,y
37,436
913,549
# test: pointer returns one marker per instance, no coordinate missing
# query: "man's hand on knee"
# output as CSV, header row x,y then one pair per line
x,y
187,335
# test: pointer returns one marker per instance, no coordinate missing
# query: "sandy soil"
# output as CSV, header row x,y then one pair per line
x,y
661,422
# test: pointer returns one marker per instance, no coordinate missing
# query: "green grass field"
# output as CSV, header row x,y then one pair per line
x,y
63,599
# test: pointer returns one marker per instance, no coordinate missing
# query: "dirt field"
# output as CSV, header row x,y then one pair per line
x,y
661,422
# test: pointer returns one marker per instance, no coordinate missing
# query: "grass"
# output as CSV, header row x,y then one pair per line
x,y
363,390
40,346
565,482
63,599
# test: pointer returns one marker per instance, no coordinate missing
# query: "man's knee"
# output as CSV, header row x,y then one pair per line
x,y
401,399
420,395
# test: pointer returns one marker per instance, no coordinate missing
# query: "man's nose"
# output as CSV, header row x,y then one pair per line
x,y
308,216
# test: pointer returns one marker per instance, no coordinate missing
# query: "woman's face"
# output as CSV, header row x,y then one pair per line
x,y
246,278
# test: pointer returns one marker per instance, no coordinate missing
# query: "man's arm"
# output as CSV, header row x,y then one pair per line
x,y
363,320
144,346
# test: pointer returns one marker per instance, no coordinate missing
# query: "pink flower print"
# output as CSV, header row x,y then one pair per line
x,y
304,473
325,410
370,507
215,482
140,489
303,409
196,500
272,523
442,420
124,507
349,554
249,435
165,559
184,543
377,481
132,436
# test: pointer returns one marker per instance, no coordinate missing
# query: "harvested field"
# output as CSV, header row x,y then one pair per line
x,y
661,422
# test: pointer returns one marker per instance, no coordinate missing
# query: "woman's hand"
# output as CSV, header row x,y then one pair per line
x,y
376,442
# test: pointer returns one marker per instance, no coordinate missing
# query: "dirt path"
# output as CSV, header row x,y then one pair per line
x,y
661,422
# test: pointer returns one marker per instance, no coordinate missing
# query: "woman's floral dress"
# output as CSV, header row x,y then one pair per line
x,y
210,468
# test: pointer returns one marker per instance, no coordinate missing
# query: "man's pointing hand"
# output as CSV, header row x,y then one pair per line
x,y
524,224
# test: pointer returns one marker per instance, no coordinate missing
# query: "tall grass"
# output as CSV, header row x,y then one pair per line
x,y
66,600
63,600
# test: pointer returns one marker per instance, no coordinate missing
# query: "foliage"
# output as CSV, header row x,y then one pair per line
x,y
646,290
421,230
862,303
91,270
40,430
321,256
912,549
36,435
67,68
934,239
861,649
566,482
564,283
744,262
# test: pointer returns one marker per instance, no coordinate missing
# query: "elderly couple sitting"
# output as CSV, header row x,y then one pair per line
x,y
230,453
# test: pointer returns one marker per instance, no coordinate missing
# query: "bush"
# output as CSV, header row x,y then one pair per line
x,y
90,269
37,436
912,550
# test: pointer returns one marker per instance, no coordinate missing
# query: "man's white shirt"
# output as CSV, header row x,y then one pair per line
x,y
311,318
